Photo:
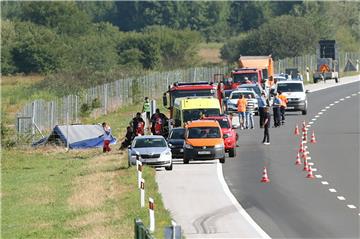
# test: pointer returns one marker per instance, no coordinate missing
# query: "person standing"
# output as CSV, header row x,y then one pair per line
x,y
250,107
283,105
261,109
146,109
106,137
276,110
241,105
267,117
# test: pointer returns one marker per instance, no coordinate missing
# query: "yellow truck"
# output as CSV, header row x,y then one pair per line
x,y
189,109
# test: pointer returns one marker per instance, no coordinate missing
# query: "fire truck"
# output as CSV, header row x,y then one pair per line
x,y
194,89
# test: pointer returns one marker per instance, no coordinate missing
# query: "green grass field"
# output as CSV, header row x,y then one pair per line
x,y
51,193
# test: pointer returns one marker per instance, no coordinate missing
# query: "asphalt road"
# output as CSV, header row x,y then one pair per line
x,y
291,205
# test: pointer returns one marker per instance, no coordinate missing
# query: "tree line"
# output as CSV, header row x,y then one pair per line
x,y
48,37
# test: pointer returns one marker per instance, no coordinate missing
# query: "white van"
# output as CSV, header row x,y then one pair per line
x,y
295,93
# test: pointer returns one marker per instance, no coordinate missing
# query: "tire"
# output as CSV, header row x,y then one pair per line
x,y
222,160
315,80
169,168
232,153
186,160
304,112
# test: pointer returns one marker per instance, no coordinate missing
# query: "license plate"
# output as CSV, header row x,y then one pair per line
x,y
290,108
203,152
181,150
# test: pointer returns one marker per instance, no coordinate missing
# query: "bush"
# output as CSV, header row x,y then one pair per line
x,y
95,103
85,110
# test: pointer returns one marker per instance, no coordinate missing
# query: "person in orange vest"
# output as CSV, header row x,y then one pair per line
x,y
241,107
283,105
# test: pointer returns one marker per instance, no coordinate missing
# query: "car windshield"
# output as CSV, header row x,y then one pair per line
x,y
177,134
192,93
150,143
288,87
204,132
196,114
236,95
240,78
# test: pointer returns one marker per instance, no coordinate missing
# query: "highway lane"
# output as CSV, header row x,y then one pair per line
x,y
291,205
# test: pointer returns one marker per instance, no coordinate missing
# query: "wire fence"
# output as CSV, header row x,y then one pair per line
x,y
40,115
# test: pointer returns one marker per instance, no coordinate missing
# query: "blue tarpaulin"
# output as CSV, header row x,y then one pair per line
x,y
78,136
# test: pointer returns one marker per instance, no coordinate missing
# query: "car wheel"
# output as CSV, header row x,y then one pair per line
x,y
315,80
169,168
186,160
222,160
232,153
304,112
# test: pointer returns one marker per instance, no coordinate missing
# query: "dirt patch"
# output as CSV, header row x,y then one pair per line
x,y
210,55
91,218
99,231
41,195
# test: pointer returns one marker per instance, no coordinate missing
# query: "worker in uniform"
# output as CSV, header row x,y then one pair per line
x,y
261,109
276,110
283,105
138,124
241,106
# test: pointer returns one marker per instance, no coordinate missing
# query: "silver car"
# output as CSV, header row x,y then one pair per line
x,y
151,150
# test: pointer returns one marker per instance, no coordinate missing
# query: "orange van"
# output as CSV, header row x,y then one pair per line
x,y
203,140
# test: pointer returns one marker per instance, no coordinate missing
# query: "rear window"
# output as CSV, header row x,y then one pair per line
x,y
204,132
288,87
177,134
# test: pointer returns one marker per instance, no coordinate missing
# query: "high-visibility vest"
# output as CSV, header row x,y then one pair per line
x,y
284,100
241,104
146,106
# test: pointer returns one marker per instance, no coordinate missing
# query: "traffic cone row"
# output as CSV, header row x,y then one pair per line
x,y
313,140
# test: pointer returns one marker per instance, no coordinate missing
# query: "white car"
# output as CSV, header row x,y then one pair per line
x,y
151,150
295,93
235,95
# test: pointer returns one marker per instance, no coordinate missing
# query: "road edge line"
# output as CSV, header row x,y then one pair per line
x,y
331,86
237,205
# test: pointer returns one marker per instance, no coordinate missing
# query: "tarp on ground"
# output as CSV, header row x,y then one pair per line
x,y
78,136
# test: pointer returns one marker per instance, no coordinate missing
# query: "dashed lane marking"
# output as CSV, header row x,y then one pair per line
x,y
311,122
320,113
333,190
335,102
317,116
323,110
327,107
324,183
347,97
353,94
341,198
318,176
351,206
331,104
342,99
311,164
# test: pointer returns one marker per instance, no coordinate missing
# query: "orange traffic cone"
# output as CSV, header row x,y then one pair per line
x,y
301,149
313,140
265,178
306,167
298,161
296,130
310,174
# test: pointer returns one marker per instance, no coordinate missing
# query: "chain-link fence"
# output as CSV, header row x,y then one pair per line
x,y
41,115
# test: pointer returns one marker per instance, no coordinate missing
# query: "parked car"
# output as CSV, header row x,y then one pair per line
x,y
203,141
255,87
295,93
152,150
226,95
229,133
235,95
176,142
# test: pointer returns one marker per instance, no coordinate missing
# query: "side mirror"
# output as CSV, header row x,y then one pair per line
x,y
164,100
307,91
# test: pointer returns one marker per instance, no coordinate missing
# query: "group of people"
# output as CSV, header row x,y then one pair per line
x,y
158,122
246,112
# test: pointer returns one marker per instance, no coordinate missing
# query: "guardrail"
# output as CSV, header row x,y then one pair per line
x,y
141,232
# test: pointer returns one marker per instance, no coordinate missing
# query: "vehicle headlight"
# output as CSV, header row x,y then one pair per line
x,y
188,146
171,145
217,146
167,153
227,135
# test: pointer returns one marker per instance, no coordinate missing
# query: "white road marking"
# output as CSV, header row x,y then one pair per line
x,y
311,164
336,101
323,110
351,206
348,97
236,203
318,176
308,158
320,113
324,183
327,107
331,104
314,169
341,198
333,190
342,99
313,119
317,116
311,123
353,94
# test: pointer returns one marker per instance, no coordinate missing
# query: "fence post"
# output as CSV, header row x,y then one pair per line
x,y
33,121
152,215
67,131
105,99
